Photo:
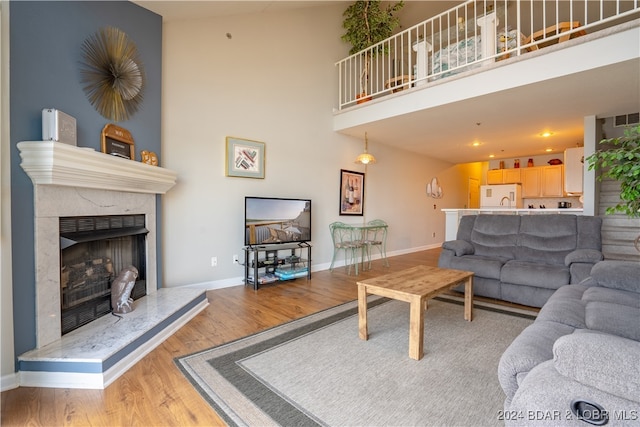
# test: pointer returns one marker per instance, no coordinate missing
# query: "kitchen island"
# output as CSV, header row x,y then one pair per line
x,y
452,216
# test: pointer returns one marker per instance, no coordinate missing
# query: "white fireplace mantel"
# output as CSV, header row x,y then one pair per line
x,y
55,163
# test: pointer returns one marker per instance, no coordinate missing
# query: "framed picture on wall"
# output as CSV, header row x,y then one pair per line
x,y
245,158
351,193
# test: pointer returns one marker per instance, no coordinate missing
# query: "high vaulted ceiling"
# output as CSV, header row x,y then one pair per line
x,y
506,123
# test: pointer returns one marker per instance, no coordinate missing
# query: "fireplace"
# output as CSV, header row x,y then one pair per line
x,y
93,250
79,182
76,188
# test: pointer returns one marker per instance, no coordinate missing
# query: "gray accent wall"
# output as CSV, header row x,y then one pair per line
x,y
45,51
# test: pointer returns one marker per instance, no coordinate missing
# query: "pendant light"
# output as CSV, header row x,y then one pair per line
x,y
365,158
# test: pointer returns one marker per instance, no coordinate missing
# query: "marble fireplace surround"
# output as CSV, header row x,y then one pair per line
x,y
72,181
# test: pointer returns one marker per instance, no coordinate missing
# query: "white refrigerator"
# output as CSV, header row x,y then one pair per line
x,y
502,196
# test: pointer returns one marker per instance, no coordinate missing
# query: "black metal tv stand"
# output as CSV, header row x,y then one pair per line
x,y
272,267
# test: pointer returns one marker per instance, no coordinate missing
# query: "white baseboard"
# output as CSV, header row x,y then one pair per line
x,y
9,382
238,281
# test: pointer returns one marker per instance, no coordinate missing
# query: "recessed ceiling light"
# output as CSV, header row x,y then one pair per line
x,y
548,150
475,143
491,156
546,134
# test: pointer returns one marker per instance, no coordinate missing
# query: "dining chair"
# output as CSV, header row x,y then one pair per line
x,y
346,239
376,237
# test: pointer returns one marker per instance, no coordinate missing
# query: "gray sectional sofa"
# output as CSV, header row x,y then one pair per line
x,y
524,258
582,351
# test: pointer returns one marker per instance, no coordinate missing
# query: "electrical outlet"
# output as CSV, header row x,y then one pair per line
x,y
235,259
214,261
434,234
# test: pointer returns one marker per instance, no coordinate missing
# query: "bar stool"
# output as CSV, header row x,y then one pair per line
x,y
345,239
376,236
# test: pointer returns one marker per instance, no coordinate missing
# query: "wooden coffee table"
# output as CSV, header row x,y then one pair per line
x,y
415,286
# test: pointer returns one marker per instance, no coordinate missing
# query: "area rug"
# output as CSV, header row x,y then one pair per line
x,y
316,371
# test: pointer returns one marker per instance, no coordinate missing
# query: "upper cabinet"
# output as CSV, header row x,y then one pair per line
x,y
511,176
503,176
545,181
573,170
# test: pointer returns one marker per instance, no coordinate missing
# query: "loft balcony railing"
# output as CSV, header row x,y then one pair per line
x,y
475,33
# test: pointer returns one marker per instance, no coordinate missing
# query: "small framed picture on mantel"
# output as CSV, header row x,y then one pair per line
x,y
118,142
245,158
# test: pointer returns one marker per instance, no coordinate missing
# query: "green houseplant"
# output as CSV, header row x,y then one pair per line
x,y
620,160
367,24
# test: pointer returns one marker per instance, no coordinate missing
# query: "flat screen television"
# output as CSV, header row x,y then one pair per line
x,y
271,220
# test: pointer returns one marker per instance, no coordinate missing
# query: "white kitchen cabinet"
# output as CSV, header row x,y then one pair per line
x,y
573,170
544,181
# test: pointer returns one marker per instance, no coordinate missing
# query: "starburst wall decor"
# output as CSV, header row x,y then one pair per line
x,y
112,74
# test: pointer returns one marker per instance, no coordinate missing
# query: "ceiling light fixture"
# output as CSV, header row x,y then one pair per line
x,y
548,150
546,134
366,158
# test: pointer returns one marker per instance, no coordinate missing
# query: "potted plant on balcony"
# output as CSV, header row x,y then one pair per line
x,y
620,160
367,24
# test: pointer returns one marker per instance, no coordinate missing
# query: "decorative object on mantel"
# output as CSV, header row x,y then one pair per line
x,y
112,74
121,288
365,158
118,142
58,126
434,190
149,157
555,162
245,158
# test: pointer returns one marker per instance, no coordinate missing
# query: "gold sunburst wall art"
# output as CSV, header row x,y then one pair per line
x,y
112,74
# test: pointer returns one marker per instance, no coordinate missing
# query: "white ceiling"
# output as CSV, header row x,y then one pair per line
x,y
510,122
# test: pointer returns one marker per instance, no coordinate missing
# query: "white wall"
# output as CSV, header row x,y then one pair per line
x,y
274,81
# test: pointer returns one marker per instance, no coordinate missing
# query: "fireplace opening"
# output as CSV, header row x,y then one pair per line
x,y
93,250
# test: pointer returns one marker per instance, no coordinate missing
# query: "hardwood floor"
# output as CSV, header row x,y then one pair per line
x,y
154,392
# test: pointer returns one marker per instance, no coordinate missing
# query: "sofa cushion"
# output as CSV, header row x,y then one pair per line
x,y
605,362
535,274
465,226
544,241
616,296
566,307
614,319
617,275
495,235
482,266
589,232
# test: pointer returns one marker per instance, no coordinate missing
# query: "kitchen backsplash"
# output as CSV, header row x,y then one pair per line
x,y
552,202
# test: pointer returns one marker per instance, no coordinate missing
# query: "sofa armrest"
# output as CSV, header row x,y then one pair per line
x,y
602,361
588,256
459,247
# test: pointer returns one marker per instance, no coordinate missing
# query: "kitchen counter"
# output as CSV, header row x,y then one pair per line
x,y
519,211
453,215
